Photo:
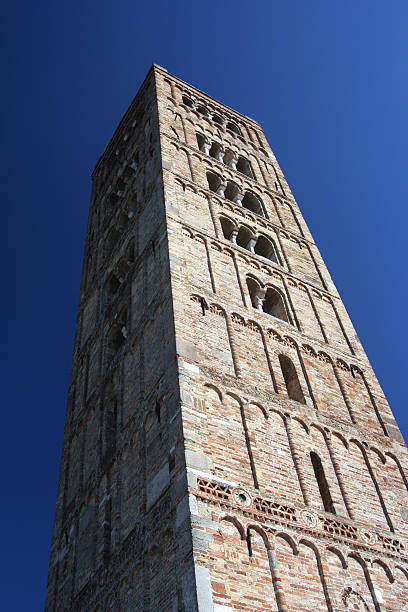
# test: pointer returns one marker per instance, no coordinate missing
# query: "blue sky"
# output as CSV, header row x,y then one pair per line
x,y
328,82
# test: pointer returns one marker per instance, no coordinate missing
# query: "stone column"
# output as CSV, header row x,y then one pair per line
x,y
259,299
220,156
221,190
233,236
251,245
238,199
233,163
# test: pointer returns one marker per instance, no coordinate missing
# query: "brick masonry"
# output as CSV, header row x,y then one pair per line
x,y
227,444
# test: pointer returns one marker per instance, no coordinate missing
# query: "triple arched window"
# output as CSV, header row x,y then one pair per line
x,y
231,191
230,158
244,237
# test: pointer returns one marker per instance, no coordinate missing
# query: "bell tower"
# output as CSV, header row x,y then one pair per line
x,y
227,444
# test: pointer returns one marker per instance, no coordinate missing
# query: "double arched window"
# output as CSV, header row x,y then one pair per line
x,y
268,300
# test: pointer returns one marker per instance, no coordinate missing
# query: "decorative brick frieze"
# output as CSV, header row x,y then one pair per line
x,y
300,519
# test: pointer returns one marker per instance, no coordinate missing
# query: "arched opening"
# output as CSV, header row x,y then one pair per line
x,y
322,483
243,237
227,227
129,171
188,102
274,305
200,141
130,251
123,267
230,159
231,191
202,110
111,241
218,119
254,291
115,338
213,181
111,286
291,379
120,185
123,220
266,248
252,203
113,197
244,166
125,262
215,150
117,335
232,127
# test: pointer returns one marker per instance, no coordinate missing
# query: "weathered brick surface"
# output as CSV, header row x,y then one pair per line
x,y
227,444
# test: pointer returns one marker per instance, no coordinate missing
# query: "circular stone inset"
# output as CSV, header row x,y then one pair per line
x,y
308,519
368,537
242,497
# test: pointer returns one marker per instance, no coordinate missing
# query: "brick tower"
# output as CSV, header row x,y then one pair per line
x,y
227,444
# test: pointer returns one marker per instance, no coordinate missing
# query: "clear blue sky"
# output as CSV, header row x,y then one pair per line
x,y
327,80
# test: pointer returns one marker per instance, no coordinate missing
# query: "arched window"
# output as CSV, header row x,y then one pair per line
x,y
243,237
233,128
130,251
291,379
227,227
213,181
322,483
274,305
215,150
130,170
218,119
113,197
255,293
111,286
231,191
200,141
115,338
188,102
120,185
202,110
244,166
111,241
230,159
266,248
123,220
116,335
125,262
252,203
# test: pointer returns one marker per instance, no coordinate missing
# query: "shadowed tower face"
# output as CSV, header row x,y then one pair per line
x,y
227,444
